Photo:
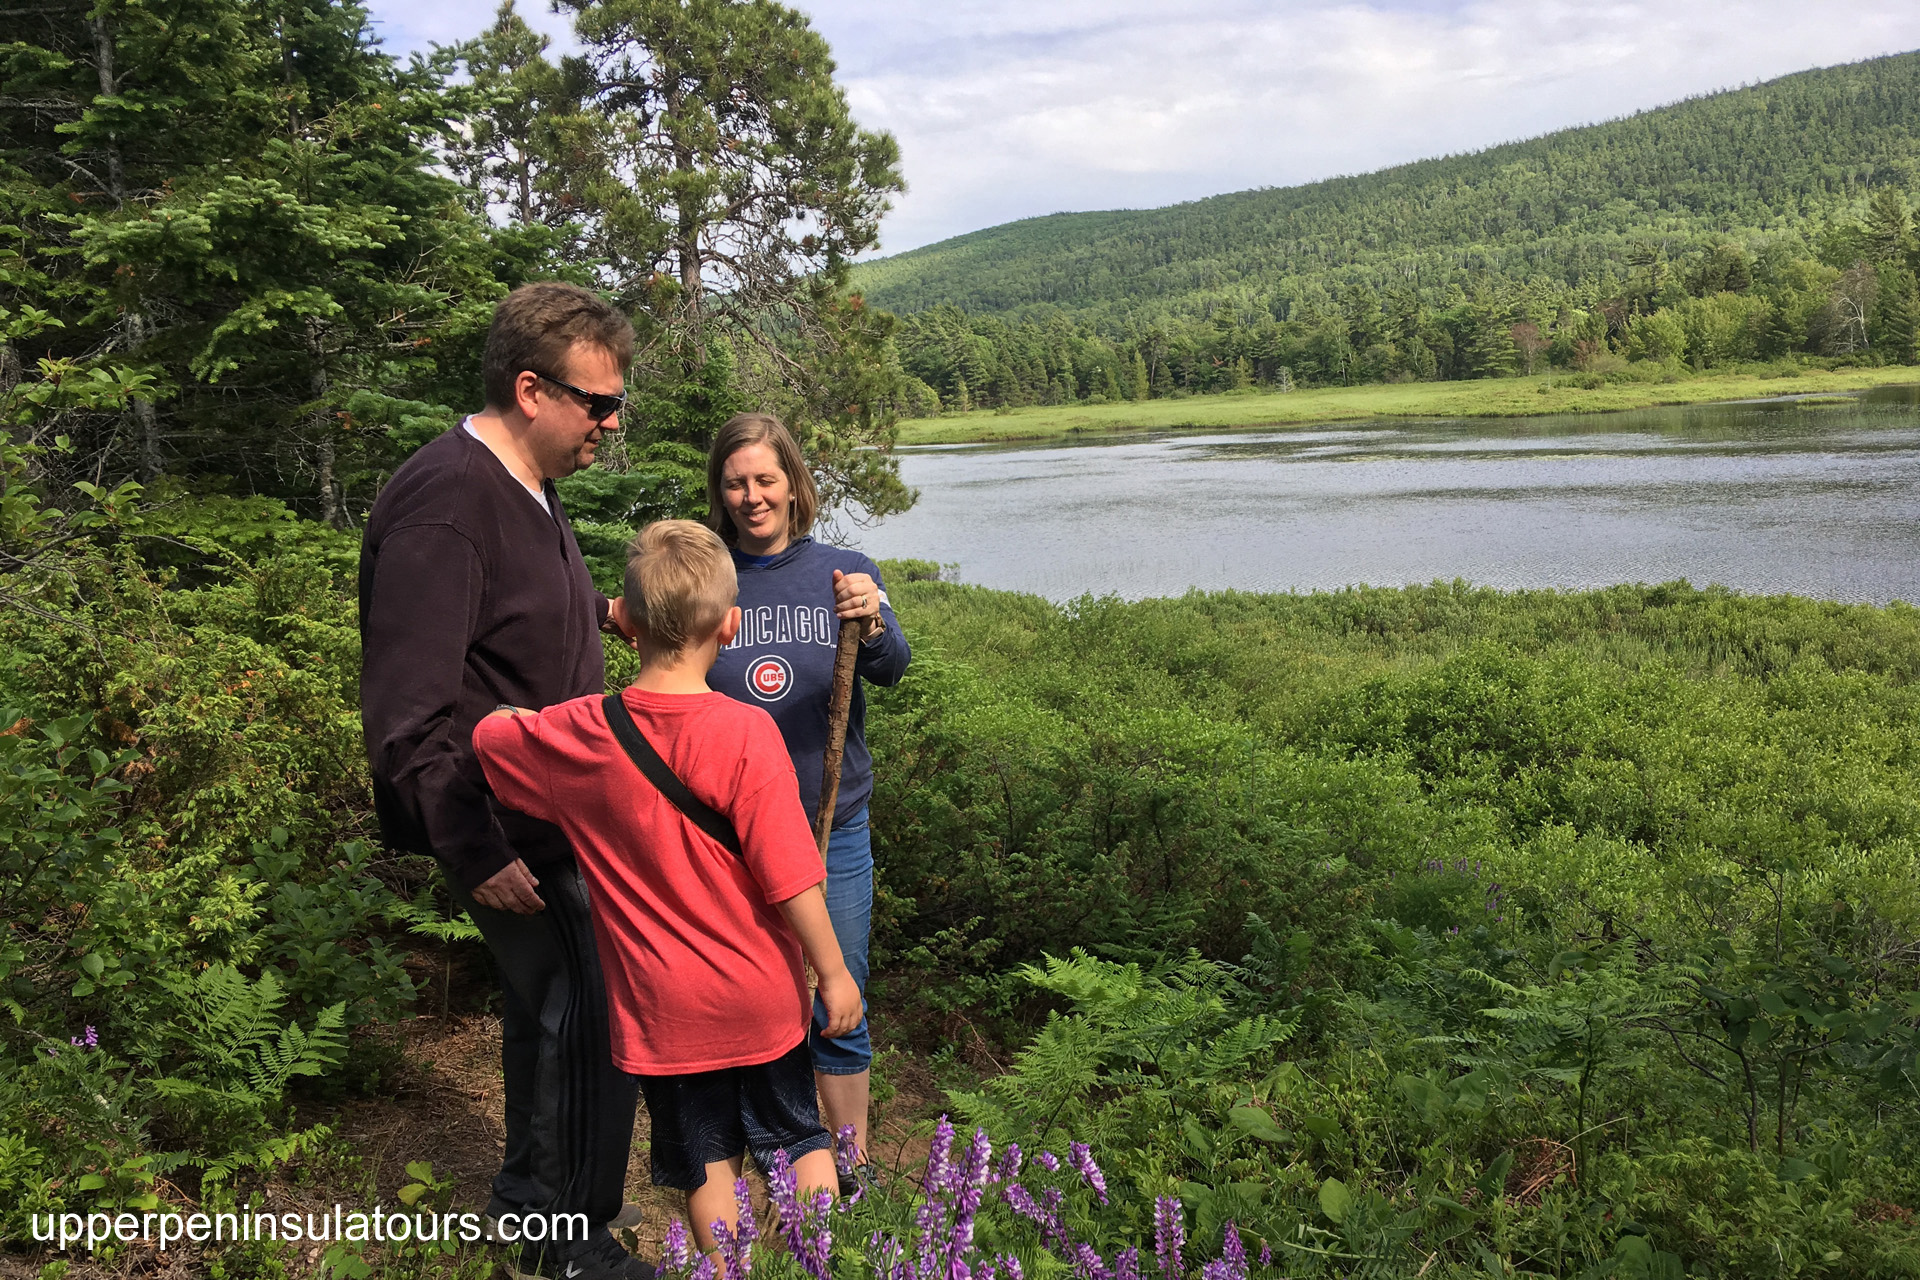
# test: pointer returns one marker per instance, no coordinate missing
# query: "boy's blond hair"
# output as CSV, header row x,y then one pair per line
x,y
679,584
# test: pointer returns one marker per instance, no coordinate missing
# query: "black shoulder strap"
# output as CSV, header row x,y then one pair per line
x,y
668,783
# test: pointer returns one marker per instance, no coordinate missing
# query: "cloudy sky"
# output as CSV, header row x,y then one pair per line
x,y
1010,108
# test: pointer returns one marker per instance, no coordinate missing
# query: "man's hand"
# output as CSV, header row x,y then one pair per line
x,y
841,994
618,623
512,889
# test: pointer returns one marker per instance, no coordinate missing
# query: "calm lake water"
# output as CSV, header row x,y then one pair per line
x,y
1818,499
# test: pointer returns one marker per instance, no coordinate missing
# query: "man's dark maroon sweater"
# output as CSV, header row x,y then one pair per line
x,y
470,596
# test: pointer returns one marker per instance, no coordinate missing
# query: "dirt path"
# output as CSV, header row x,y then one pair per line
x,y
443,1104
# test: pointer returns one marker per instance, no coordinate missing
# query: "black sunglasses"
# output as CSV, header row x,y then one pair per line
x,y
600,407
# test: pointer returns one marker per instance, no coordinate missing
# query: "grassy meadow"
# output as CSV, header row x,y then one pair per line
x,y
1482,398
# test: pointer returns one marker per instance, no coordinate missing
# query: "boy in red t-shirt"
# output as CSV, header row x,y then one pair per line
x,y
701,948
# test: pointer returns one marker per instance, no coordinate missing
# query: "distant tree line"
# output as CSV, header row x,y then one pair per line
x,y
1849,292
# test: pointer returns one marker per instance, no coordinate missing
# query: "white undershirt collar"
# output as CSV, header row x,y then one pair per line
x,y
538,495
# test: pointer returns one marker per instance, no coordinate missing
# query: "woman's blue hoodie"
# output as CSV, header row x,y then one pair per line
x,y
783,660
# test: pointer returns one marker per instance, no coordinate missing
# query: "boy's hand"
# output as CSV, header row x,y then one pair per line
x,y
806,912
841,994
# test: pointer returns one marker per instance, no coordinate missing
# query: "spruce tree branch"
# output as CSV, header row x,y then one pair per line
x,y
86,173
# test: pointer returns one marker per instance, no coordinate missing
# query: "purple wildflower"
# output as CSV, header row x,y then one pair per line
x,y
988,1271
940,1171
1232,1252
783,1188
735,1253
1082,1156
1046,1213
90,1041
931,1214
704,1269
1089,1265
1126,1264
1048,1161
1009,1167
846,1153
1169,1234
1266,1254
974,1173
735,1244
816,1248
1011,1265
979,1160
743,1201
883,1251
1216,1270
1051,1200
1021,1199
677,1249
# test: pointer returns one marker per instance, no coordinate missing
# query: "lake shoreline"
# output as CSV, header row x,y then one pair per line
x,y
1528,397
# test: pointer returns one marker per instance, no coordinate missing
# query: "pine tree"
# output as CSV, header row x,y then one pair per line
x,y
256,223
1898,320
511,152
724,188
1887,230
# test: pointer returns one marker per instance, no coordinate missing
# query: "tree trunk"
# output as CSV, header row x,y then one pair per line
x,y
321,429
329,503
524,180
146,421
151,463
103,68
686,246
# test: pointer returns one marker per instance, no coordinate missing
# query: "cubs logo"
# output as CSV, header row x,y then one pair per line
x,y
769,678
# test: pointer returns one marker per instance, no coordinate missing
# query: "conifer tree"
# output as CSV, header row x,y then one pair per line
x,y
255,223
511,155
724,188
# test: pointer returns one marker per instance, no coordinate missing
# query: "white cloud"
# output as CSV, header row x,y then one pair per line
x,y
1010,108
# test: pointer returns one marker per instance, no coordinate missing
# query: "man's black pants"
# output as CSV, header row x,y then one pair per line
x,y
569,1109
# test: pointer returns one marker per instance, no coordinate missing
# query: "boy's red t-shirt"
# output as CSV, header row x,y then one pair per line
x,y
702,969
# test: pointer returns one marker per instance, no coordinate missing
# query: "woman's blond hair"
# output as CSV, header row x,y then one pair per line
x,y
744,429
679,584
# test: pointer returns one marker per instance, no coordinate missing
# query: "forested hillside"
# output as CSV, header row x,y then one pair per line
x,y
1424,270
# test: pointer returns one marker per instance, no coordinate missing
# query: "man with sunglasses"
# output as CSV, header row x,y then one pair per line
x,y
473,595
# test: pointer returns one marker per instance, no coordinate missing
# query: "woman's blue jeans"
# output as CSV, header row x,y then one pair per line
x,y
850,907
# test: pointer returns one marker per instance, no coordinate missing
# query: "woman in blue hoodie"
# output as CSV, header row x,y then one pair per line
x,y
794,592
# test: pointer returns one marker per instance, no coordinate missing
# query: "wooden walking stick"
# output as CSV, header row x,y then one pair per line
x,y
839,707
